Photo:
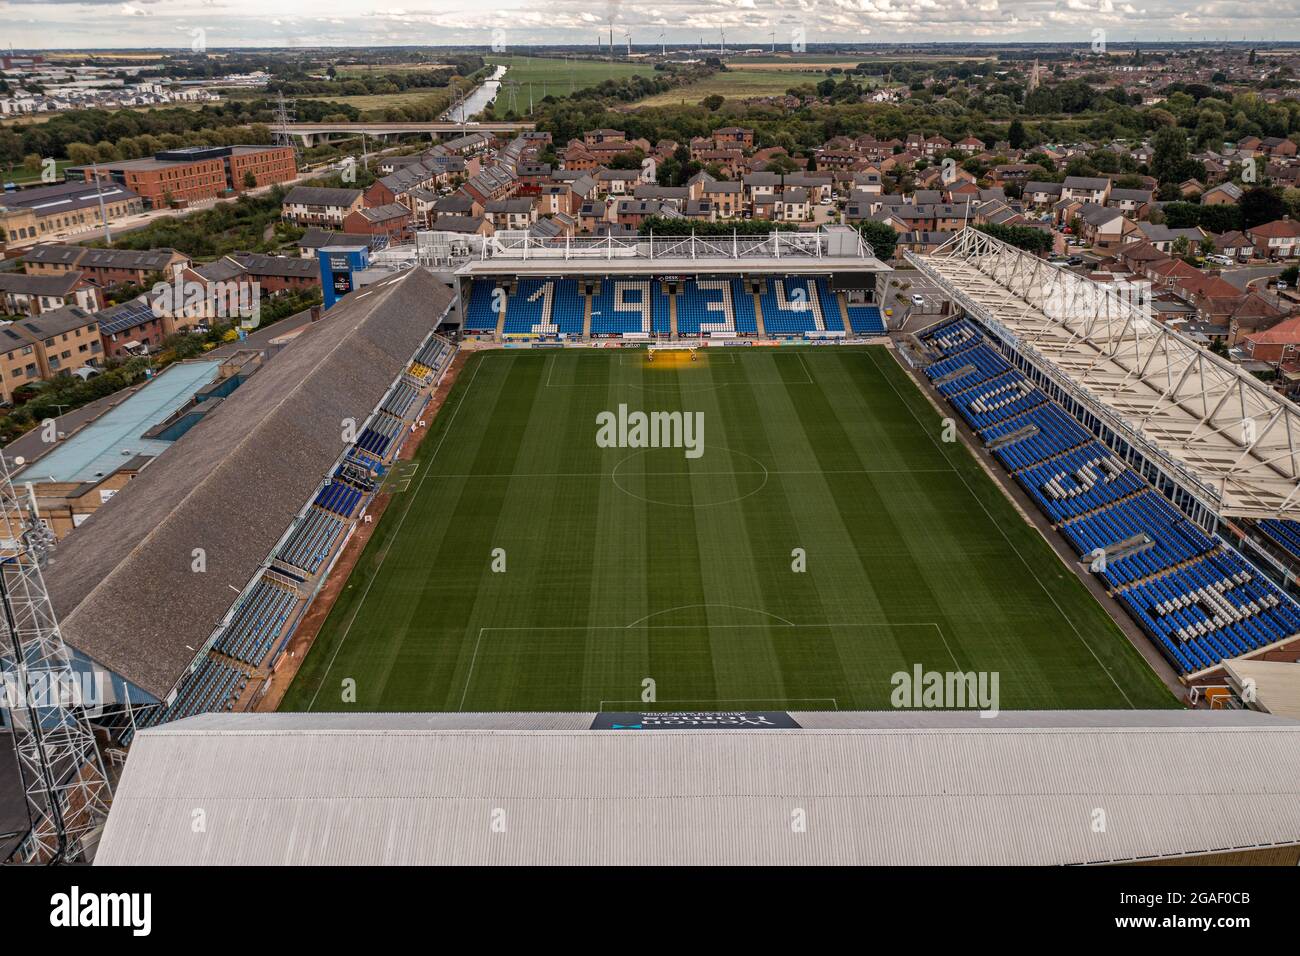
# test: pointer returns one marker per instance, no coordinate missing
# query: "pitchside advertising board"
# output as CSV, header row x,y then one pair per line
x,y
338,266
695,720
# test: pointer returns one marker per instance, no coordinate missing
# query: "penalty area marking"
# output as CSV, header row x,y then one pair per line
x,y
779,624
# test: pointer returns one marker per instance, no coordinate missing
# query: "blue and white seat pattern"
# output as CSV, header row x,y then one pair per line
x,y
629,305
1193,594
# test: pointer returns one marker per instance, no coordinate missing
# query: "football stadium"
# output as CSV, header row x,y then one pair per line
x,y
610,510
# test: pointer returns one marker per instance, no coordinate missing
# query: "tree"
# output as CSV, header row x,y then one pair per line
x,y
1016,134
1261,205
250,181
81,154
880,236
1170,158
713,102
1022,237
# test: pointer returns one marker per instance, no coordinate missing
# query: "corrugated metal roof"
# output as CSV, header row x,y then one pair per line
x,y
938,788
122,597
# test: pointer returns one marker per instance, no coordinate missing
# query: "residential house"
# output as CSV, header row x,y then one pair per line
x,y
314,206
392,221
22,294
1279,239
515,213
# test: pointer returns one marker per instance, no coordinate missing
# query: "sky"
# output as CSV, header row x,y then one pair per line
x,y
185,24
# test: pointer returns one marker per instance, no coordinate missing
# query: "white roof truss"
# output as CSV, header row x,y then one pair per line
x,y
1230,437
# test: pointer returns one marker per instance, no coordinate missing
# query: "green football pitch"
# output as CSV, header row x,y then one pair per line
x,y
826,539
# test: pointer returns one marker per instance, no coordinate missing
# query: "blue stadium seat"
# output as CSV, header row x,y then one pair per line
x,y
706,305
479,316
544,307
256,622
1197,598
866,319
1285,533
623,305
791,306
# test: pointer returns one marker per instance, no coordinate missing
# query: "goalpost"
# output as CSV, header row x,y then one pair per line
x,y
679,346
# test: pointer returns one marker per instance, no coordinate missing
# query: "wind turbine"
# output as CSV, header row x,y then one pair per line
x,y
722,48
663,50
773,41
628,37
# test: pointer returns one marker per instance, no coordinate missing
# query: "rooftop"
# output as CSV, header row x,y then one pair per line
x,y
883,788
263,451
1149,383
105,444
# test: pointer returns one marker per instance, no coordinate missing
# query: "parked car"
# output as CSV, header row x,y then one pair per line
x,y
918,300
1219,260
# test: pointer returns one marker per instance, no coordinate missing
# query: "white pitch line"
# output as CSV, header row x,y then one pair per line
x,y
396,532
705,474
996,524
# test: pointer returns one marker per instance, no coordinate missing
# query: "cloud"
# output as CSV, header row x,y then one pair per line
x,y
746,22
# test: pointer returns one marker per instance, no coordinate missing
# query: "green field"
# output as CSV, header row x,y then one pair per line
x,y
623,564
737,84
557,76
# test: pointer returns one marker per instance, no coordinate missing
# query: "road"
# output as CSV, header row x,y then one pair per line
x,y
1243,276
1256,278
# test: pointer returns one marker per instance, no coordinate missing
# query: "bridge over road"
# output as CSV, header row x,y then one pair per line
x,y
312,134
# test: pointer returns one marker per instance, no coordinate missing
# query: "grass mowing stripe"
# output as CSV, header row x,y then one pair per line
x,y
903,566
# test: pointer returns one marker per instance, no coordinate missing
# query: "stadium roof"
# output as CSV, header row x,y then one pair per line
x,y
874,788
1275,684
1226,435
123,587
831,249
103,446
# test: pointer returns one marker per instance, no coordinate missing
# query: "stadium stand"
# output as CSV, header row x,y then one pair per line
x,y
479,316
265,447
792,306
256,622
639,305
1051,432
312,540
379,435
1174,537
996,399
543,307
622,306
866,319
1197,598
215,685
339,498
1285,533
1211,609
953,337
400,400
1080,481
661,306
708,305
